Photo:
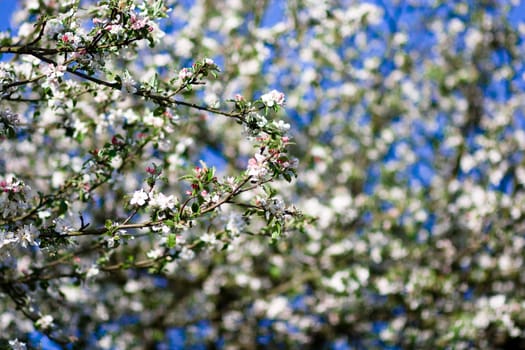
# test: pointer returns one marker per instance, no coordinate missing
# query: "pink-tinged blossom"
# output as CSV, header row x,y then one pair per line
x,y
155,32
257,166
138,22
291,163
210,198
53,73
115,29
10,184
139,198
70,38
200,171
185,74
151,170
272,98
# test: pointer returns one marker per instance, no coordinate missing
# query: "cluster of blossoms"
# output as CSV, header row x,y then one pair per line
x,y
185,74
97,121
271,161
394,190
70,39
199,70
258,166
255,122
45,321
129,85
14,197
273,98
138,22
273,206
17,345
53,75
23,236
153,199
135,21
8,122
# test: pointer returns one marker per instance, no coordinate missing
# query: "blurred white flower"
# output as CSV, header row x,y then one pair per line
x,y
45,321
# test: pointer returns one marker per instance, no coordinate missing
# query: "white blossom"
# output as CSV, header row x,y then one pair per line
x,y
92,272
186,254
139,198
45,321
17,345
272,98
185,74
155,253
161,201
208,238
129,85
257,166
282,126
26,235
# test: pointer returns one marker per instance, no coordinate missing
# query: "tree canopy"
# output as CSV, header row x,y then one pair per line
x,y
281,174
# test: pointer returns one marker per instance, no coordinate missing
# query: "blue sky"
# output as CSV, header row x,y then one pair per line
x,y
6,9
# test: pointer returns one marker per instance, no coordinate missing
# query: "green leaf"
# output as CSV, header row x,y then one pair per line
x,y
62,208
172,240
158,111
155,81
210,174
277,230
195,207
275,272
